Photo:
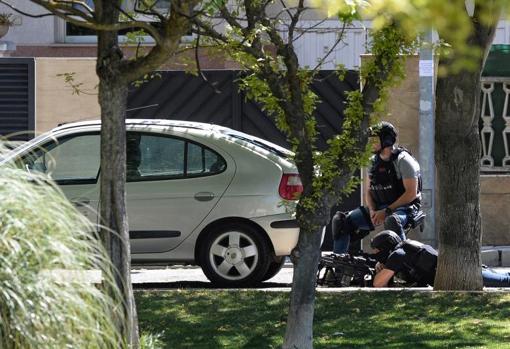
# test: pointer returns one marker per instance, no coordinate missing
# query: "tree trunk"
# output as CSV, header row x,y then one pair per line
x,y
115,234
299,332
458,161
458,169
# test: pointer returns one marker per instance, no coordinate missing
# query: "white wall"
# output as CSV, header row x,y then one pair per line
x,y
502,33
314,39
311,47
27,30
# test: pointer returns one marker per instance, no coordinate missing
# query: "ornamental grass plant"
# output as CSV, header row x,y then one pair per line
x,y
47,253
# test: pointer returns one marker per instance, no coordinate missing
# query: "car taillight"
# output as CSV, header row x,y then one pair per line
x,y
290,186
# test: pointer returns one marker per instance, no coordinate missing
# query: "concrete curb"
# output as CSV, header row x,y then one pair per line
x,y
496,256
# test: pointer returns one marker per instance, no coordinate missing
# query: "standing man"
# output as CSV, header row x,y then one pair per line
x,y
392,196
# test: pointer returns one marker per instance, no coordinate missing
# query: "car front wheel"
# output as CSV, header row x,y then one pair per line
x,y
235,255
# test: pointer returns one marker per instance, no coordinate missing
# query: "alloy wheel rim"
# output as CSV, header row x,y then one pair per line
x,y
233,255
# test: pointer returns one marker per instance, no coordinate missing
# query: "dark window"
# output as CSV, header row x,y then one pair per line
x,y
151,157
160,6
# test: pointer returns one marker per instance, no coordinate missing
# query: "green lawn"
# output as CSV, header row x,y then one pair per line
x,y
251,319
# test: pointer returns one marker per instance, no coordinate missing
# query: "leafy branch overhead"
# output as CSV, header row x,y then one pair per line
x,y
165,27
455,22
260,37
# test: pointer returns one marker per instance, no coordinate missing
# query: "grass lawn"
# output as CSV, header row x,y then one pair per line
x,y
251,319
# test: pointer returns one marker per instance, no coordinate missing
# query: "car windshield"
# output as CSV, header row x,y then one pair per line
x,y
273,148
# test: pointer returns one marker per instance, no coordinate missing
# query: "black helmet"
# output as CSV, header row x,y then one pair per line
x,y
386,132
386,240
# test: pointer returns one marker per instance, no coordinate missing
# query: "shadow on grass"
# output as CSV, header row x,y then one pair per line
x,y
251,319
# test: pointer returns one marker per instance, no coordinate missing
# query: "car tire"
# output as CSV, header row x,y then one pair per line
x,y
274,268
235,255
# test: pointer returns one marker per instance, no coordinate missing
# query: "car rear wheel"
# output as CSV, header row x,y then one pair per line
x,y
274,268
235,255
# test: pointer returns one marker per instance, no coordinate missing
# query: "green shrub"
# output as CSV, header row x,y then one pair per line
x,y
47,252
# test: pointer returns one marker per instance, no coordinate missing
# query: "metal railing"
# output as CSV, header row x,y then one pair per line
x,y
495,130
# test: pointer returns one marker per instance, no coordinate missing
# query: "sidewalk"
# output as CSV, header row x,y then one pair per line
x,y
496,256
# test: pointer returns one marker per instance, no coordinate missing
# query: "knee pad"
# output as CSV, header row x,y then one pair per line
x,y
393,223
341,225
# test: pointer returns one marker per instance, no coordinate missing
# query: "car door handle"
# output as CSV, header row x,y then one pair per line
x,y
80,202
204,196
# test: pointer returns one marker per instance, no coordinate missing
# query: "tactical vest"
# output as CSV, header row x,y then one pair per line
x,y
422,261
385,186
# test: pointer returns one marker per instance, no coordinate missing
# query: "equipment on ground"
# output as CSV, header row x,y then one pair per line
x,y
344,270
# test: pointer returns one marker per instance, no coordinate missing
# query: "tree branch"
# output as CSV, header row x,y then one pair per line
x,y
199,69
484,32
309,29
206,29
295,20
79,18
76,2
285,8
151,11
338,40
64,9
14,8
175,27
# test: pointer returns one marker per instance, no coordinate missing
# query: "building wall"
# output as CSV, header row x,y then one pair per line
x,y
28,30
46,37
55,101
495,206
403,112
403,107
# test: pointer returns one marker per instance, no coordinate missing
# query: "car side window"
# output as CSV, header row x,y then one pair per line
x,y
151,157
154,156
202,161
68,160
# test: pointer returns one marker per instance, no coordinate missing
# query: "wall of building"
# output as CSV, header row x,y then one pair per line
x,y
55,101
495,206
46,37
403,112
27,30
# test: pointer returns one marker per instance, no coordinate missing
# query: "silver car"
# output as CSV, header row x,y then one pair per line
x,y
196,193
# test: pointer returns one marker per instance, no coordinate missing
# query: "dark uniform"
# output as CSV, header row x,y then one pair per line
x,y
416,263
413,262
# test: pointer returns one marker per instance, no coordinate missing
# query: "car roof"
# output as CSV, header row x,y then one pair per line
x,y
202,126
150,122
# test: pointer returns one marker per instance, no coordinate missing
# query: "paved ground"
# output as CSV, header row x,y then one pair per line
x,y
193,277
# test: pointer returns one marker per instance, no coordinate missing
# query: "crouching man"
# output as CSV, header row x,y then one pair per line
x,y
415,262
